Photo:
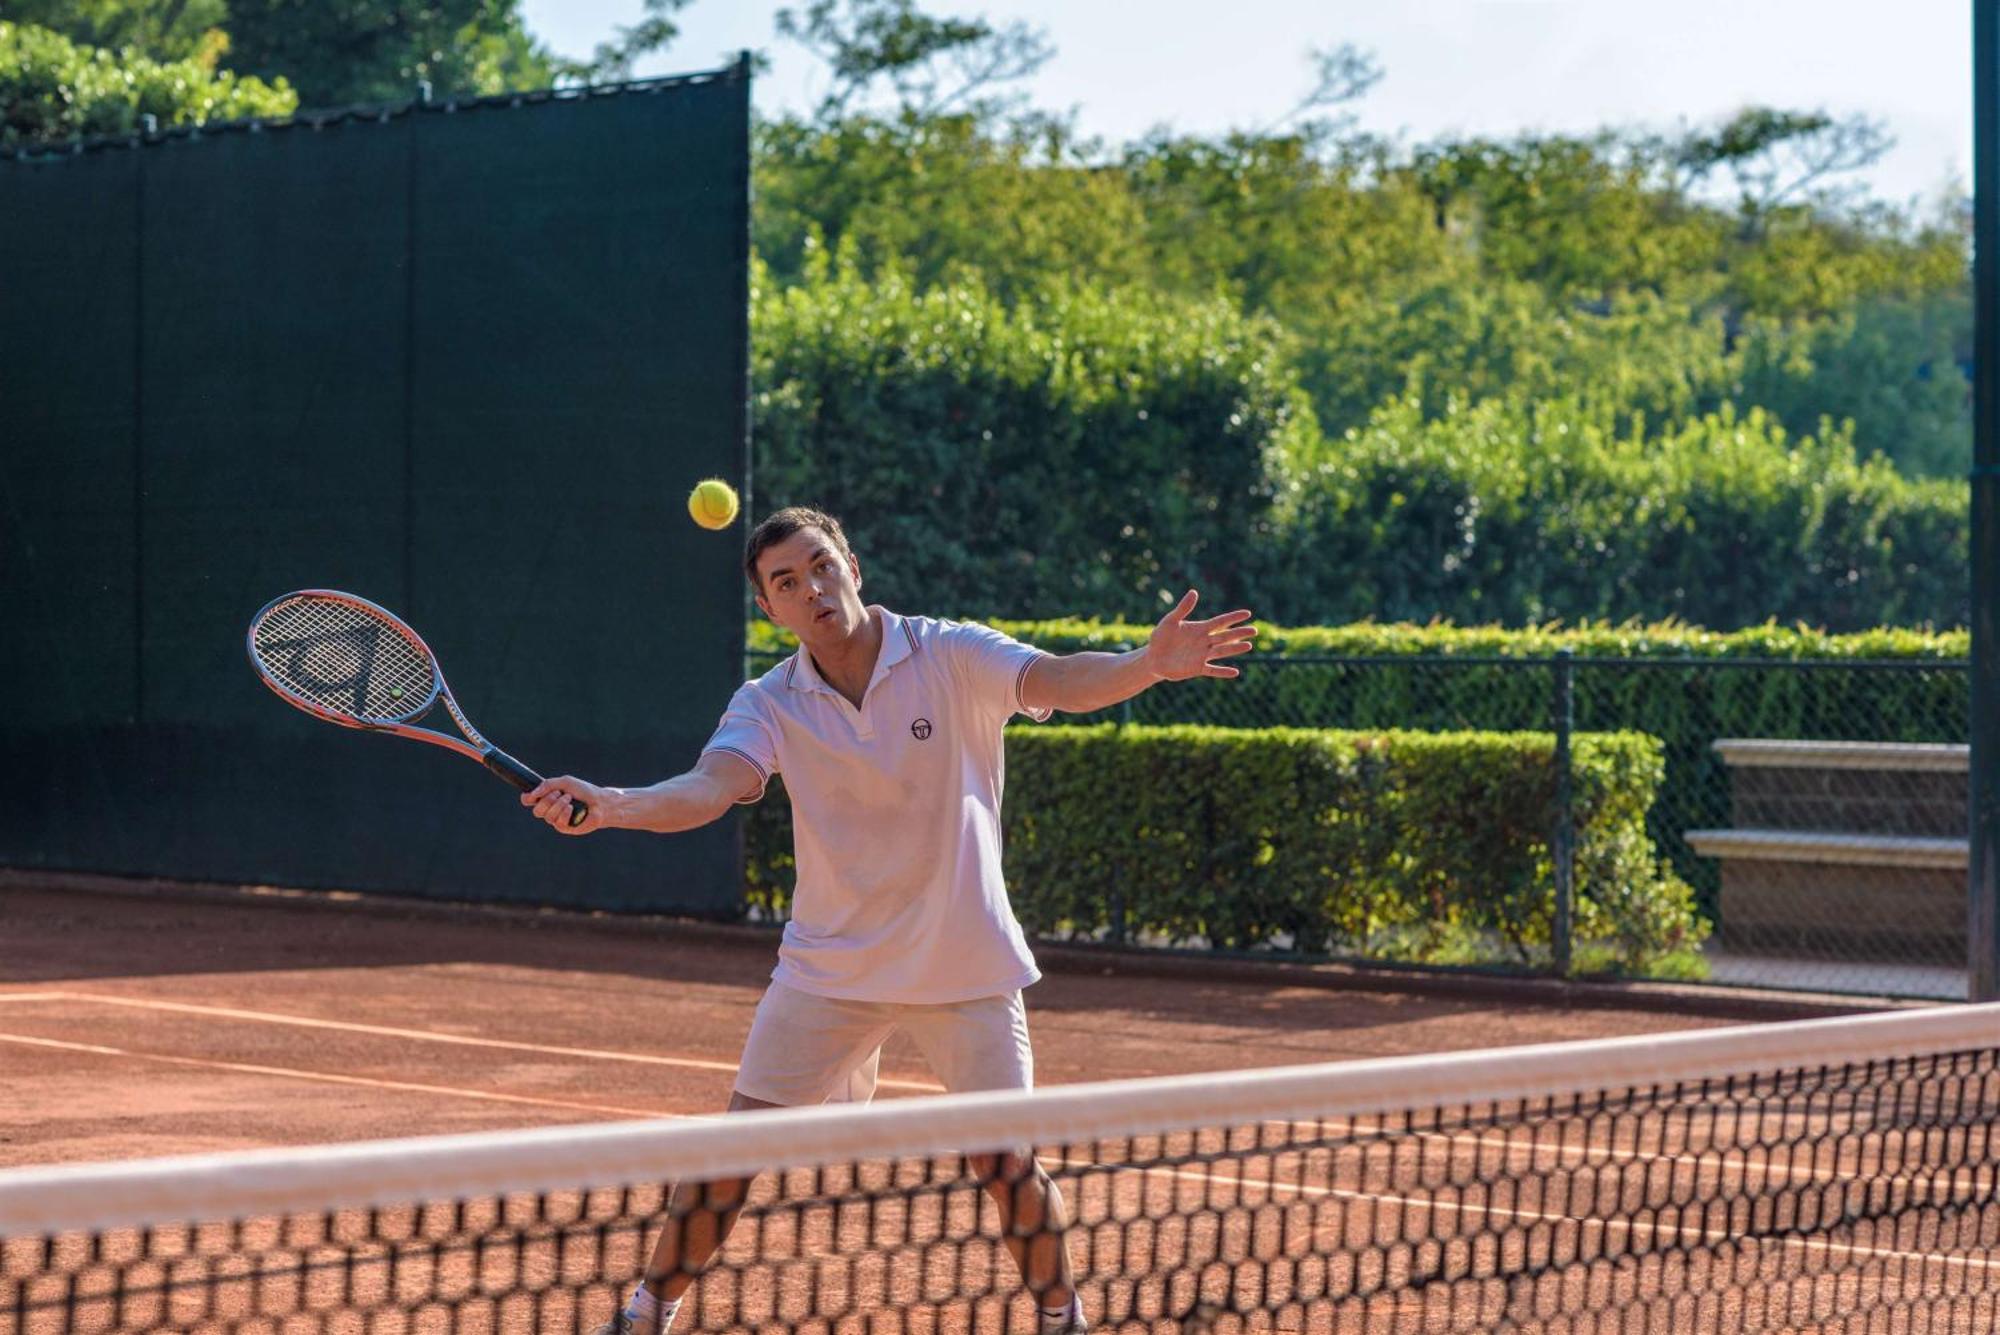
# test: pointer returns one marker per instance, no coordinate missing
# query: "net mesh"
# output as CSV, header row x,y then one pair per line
x,y
1848,1195
343,657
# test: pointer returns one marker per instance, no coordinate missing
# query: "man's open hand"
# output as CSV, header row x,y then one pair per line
x,y
1181,648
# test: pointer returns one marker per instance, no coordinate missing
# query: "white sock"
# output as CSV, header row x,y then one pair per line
x,y
649,1315
1053,1319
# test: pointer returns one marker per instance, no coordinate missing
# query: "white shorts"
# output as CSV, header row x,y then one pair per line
x,y
805,1049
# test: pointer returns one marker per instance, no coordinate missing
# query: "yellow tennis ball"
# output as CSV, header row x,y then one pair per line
x,y
713,503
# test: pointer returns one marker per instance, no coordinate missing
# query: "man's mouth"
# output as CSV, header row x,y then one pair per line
x,y
824,613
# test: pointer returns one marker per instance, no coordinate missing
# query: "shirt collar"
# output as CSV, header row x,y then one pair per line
x,y
899,641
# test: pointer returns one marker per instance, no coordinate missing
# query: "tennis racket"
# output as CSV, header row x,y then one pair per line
x,y
345,660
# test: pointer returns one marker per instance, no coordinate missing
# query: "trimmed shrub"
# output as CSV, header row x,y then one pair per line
x,y
1411,846
1081,452
1519,513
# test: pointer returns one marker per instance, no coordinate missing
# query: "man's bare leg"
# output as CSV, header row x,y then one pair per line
x,y
1034,1223
700,1216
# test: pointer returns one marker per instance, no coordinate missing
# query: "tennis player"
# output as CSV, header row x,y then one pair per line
x,y
888,731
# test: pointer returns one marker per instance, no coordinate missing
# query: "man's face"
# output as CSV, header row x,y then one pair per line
x,y
806,585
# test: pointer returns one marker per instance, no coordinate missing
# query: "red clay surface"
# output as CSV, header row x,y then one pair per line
x,y
145,1024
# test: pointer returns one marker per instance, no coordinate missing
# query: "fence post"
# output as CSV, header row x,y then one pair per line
x,y
1119,936
1562,844
1983,873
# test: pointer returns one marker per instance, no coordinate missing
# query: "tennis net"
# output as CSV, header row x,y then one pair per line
x,y
1828,1175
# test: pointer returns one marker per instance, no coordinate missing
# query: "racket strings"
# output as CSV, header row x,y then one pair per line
x,y
344,658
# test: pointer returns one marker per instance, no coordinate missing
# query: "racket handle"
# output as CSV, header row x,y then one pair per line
x,y
514,772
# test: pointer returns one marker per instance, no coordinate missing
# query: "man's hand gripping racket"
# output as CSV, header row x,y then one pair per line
x,y
345,660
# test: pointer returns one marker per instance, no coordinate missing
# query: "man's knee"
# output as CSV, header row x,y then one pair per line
x,y
1006,1170
715,1197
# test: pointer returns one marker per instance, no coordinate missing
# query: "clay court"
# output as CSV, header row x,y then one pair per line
x,y
143,1020
154,1022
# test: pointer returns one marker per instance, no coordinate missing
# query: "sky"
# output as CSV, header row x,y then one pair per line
x,y
1451,67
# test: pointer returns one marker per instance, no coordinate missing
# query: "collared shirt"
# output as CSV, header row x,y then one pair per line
x,y
895,813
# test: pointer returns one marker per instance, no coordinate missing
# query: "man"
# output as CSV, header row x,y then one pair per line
x,y
888,732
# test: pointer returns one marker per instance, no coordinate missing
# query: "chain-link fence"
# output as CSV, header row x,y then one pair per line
x,y
1818,808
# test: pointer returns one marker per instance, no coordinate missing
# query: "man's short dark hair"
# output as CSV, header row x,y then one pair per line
x,y
783,524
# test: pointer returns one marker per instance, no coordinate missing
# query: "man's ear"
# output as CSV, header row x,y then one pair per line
x,y
854,565
764,607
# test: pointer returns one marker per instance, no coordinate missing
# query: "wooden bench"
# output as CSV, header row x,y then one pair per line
x,y
1844,850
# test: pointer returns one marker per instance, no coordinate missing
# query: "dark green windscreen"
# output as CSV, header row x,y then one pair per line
x,y
464,362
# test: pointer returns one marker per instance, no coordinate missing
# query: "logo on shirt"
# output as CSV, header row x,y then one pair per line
x,y
921,729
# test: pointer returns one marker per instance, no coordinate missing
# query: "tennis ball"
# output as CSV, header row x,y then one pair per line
x,y
713,503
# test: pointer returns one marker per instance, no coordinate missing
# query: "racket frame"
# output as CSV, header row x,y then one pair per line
x,y
474,746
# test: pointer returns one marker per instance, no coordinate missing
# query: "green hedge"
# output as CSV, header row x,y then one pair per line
x,y
1393,845
1087,449
1699,691
1631,639
1078,453
1518,512
52,89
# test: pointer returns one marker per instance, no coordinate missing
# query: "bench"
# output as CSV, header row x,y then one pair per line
x,y
1843,850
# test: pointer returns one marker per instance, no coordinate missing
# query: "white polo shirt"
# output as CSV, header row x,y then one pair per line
x,y
895,813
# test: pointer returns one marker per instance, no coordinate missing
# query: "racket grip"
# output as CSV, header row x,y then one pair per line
x,y
523,778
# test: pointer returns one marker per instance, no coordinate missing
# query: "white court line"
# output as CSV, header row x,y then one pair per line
x,y
1722,1158
417,1035
290,1073
1584,1222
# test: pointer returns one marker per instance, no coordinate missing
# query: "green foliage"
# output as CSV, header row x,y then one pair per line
x,y
1083,452
934,64
164,30
1575,216
1579,266
1092,449
1379,844
1367,639
52,89
340,52
1894,367
1801,264
937,197
1455,340
1520,513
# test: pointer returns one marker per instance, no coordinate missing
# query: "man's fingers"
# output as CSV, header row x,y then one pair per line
x,y
1229,648
1214,671
1184,606
560,783
1228,619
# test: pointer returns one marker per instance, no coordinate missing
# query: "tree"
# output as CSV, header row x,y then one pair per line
x,y
1781,157
163,30
341,52
613,60
54,89
936,66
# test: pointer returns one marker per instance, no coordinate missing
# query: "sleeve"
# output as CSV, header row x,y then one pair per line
x,y
992,667
745,733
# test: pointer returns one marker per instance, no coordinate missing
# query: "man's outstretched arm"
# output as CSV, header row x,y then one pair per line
x,y
718,780
1178,649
